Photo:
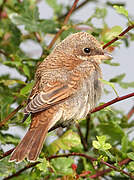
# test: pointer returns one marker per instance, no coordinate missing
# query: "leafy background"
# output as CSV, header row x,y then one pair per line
x,y
33,24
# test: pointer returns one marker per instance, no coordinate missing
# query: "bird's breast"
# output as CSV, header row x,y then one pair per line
x,y
85,99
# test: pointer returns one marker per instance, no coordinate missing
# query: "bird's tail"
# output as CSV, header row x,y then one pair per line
x,y
32,143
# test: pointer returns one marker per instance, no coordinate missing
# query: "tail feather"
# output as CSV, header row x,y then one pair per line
x,y
31,145
36,146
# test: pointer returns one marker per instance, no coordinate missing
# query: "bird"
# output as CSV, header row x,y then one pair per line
x,y
67,86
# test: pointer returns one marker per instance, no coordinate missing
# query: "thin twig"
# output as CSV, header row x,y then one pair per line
x,y
130,113
103,172
3,122
87,127
120,35
100,173
77,8
23,169
117,99
64,23
7,153
37,35
83,142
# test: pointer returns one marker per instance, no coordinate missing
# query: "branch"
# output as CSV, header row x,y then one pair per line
x,y
83,141
117,99
120,35
130,113
11,114
74,154
100,173
87,127
64,23
103,172
23,169
7,153
77,8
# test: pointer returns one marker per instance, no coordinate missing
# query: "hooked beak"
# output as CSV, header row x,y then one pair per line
x,y
102,57
107,56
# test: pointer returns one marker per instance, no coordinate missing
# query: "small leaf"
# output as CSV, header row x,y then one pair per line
x,y
96,145
124,143
100,144
118,78
110,84
101,139
113,32
27,88
131,166
126,85
11,82
26,70
63,165
68,140
100,13
121,10
43,165
111,63
131,155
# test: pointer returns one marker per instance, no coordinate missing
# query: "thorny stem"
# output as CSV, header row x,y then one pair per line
x,y
112,167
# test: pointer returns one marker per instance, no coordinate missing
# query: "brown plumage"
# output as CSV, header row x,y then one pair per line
x,y
67,86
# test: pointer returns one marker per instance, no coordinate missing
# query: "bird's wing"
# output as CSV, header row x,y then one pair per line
x,y
52,94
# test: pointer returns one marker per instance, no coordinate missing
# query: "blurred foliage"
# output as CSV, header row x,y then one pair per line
x,y
20,21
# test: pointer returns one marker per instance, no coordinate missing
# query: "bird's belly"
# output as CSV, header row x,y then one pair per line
x,y
79,105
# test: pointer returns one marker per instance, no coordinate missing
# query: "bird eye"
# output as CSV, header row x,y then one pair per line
x,y
87,50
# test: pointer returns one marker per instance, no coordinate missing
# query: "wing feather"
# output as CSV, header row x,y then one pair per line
x,y
43,100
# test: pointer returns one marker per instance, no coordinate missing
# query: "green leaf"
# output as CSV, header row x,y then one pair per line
x,y
111,63
96,144
131,166
118,78
115,134
112,33
27,89
126,85
26,70
62,165
121,10
48,26
68,140
100,13
11,82
100,144
110,84
8,139
43,165
124,143
131,155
